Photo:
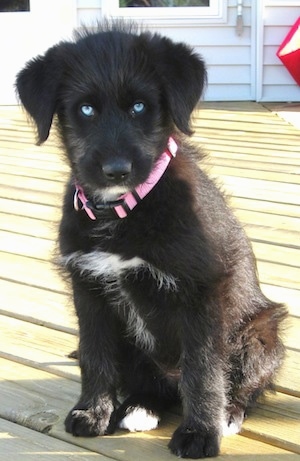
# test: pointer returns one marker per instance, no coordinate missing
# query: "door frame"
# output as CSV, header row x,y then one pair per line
x,y
24,35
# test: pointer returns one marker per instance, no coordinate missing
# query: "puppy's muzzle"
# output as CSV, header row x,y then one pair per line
x,y
117,171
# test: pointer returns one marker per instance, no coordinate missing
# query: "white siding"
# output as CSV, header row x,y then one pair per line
x,y
88,11
277,83
228,57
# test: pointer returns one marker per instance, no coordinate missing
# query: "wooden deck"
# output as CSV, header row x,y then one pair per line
x,y
256,154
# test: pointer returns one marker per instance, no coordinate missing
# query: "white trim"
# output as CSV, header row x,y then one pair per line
x,y
215,13
259,46
282,2
253,50
24,35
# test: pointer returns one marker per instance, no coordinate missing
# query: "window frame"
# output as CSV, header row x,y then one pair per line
x,y
215,13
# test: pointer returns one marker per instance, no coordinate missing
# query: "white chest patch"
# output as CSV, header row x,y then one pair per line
x,y
101,264
110,268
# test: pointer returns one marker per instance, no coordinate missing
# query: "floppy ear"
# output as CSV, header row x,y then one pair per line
x,y
37,85
183,74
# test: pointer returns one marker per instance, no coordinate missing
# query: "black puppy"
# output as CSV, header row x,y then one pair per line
x,y
164,278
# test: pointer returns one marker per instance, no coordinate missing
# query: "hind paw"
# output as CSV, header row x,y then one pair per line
x,y
233,422
138,418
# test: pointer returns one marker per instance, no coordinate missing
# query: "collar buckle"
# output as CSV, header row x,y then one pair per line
x,y
82,203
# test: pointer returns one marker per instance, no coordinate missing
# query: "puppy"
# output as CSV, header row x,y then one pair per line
x,y
163,276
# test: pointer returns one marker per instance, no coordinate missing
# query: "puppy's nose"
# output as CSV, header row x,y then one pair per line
x,y
117,171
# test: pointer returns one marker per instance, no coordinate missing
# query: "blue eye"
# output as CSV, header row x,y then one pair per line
x,y
137,108
87,110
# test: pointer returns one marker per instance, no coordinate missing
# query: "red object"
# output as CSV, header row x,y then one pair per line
x,y
289,51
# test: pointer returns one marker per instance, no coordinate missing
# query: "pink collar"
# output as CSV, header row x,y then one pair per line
x,y
128,201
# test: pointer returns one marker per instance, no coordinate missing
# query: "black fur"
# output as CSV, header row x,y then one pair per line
x,y
189,322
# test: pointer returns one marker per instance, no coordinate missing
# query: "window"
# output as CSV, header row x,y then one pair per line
x,y
14,6
162,3
167,11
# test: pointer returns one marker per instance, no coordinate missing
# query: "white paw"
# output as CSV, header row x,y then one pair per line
x,y
139,419
230,428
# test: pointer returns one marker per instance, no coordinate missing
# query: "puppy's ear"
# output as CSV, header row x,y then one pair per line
x,y
184,76
37,85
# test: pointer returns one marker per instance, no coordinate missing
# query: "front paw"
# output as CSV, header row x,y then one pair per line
x,y
90,422
195,443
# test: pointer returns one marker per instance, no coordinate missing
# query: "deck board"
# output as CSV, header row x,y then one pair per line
x,y
20,443
255,154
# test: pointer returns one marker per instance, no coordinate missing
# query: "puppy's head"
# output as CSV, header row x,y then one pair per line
x,y
118,96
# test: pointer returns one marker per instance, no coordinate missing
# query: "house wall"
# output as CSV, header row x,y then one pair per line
x,y
228,56
277,83
88,11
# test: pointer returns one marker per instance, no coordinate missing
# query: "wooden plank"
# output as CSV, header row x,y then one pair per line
x,y
266,175
262,139
25,245
277,253
270,220
33,163
33,398
282,159
53,310
40,401
24,136
290,116
236,106
264,164
260,143
211,142
152,446
288,379
278,274
236,116
284,295
267,186
276,421
37,184
11,206
269,225
267,190
28,226
29,271
291,333
20,171
250,129
38,347
265,234
19,443
260,205
27,195
14,145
